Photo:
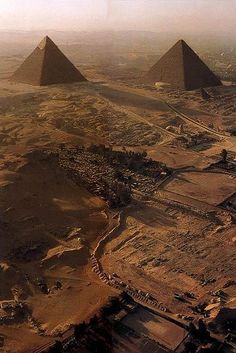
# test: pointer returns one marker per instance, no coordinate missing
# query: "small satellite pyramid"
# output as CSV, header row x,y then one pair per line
x,y
181,67
47,65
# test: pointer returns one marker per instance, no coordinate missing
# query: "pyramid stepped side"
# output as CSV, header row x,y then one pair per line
x,y
31,70
57,68
170,68
197,74
47,65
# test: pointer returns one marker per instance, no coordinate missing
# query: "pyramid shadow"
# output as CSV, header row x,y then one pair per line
x,y
131,99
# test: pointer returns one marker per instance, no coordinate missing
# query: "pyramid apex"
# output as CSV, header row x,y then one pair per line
x,y
45,42
182,42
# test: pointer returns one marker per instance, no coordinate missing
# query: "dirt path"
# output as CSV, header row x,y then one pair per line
x,y
192,121
123,99
151,99
146,121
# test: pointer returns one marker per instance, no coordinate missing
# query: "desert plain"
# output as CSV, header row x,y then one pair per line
x,y
176,235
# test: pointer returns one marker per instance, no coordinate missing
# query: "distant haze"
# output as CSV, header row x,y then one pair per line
x,y
210,16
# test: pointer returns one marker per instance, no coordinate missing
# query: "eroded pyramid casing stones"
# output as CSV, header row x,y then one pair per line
x,y
47,65
181,67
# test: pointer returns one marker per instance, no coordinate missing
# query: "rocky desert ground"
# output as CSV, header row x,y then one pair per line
x,y
174,240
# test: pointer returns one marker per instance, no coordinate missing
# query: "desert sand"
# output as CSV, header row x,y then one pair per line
x,y
178,237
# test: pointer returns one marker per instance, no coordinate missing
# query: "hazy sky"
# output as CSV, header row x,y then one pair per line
x,y
156,15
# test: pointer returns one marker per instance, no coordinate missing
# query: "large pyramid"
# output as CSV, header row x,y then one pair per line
x,y
182,67
47,65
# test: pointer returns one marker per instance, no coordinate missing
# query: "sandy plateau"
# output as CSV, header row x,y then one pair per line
x,y
180,237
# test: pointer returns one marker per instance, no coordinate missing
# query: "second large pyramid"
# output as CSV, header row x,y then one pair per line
x,y
182,67
47,65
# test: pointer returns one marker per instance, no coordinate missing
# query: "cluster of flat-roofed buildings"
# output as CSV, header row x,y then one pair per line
x,y
180,67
